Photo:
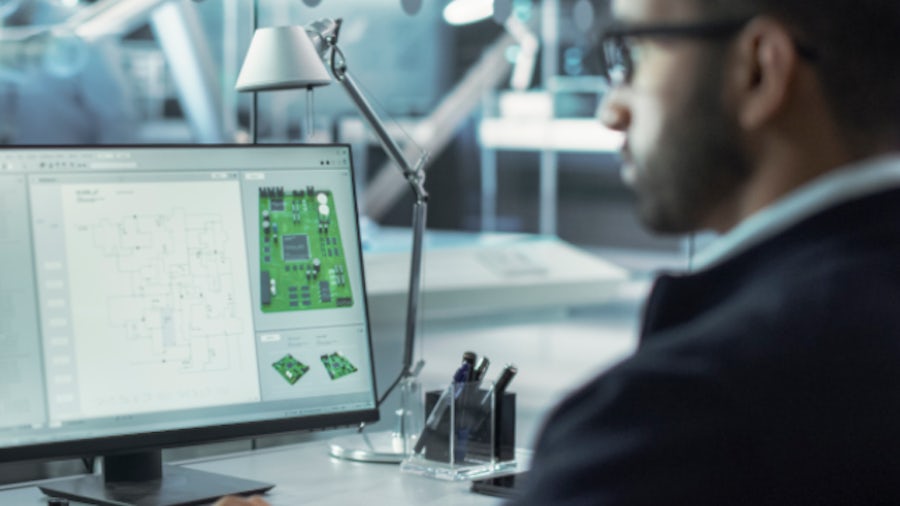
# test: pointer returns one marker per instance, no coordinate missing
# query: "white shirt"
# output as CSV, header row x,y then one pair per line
x,y
841,185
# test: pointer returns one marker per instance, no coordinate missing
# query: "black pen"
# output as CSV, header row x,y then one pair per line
x,y
495,392
469,357
499,387
482,368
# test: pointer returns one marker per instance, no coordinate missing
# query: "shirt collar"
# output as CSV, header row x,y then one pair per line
x,y
828,190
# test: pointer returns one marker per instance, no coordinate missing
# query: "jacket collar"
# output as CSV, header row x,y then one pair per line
x,y
864,224
841,185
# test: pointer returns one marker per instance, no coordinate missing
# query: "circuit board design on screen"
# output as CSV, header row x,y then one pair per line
x,y
337,365
302,263
290,368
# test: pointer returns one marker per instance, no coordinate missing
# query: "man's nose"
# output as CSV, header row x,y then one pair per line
x,y
613,112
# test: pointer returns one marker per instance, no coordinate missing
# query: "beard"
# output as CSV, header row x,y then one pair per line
x,y
696,165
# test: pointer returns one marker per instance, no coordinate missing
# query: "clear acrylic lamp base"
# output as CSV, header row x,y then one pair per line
x,y
386,446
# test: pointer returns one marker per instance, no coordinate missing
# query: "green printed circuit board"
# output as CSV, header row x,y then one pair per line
x,y
302,263
337,365
290,368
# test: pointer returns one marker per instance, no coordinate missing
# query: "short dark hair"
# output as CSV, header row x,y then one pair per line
x,y
856,44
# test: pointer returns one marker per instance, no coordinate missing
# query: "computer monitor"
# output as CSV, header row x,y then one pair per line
x,y
159,296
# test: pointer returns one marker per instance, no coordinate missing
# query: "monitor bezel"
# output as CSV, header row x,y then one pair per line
x,y
190,436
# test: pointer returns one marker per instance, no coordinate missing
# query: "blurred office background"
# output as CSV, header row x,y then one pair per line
x,y
524,157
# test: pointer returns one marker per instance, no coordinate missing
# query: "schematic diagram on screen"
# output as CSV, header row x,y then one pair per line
x,y
168,281
302,262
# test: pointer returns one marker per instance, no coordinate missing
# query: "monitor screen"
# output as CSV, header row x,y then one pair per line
x,y
157,296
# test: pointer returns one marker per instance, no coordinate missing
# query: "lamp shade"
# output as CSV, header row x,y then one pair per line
x,y
280,58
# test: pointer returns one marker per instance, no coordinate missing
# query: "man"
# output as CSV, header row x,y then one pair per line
x,y
770,374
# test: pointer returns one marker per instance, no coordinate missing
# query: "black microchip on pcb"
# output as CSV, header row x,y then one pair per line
x,y
296,247
265,291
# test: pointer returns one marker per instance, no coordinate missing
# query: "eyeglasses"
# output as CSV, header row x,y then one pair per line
x,y
621,54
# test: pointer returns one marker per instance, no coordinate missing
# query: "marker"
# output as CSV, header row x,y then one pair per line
x,y
495,392
499,387
469,357
482,368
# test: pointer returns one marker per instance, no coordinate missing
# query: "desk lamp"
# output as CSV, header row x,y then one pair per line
x,y
290,57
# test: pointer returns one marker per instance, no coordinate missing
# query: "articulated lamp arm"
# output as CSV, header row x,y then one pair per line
x,y
324,34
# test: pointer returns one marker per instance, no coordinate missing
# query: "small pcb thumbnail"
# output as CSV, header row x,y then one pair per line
x,y
337,365
290,368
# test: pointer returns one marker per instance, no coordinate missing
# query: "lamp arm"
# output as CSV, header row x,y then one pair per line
x,y
415,176
419,218
420,214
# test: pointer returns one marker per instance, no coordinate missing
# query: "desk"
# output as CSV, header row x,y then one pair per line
x,y
494,273
305,475
555,353
556,346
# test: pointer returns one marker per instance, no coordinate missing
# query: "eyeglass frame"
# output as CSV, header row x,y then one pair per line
x,y
614,39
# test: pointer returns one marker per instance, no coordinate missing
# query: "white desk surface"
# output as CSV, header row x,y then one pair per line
x,y
306,475
465,275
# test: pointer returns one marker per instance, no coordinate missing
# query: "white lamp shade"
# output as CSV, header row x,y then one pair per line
x,y
279,58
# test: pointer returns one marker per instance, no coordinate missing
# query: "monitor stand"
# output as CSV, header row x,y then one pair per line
x,y
141,479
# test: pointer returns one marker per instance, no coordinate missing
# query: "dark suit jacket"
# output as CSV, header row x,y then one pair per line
x,y
770,378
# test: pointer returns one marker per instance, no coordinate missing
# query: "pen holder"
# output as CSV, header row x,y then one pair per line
x,y
469,432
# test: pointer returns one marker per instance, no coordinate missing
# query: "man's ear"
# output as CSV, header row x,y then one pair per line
x,y
764,68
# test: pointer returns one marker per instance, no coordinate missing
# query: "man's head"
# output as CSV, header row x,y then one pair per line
x,y
733,103
855,44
